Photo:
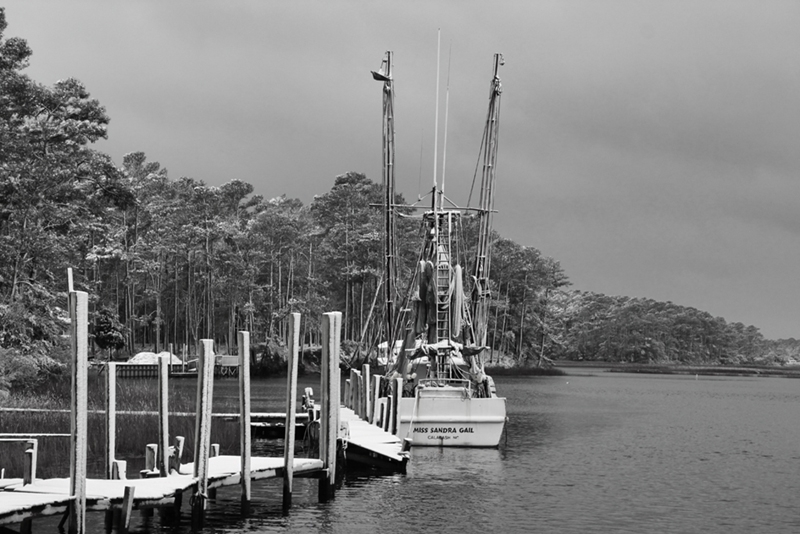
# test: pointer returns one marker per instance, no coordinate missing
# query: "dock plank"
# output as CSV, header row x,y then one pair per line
x,y
373,439
101,493
16,507
226,470
5,482
51,496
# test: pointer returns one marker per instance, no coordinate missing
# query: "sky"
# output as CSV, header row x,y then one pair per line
x,y
651,147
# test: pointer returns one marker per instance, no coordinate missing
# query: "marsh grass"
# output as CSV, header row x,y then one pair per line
x,y
48,412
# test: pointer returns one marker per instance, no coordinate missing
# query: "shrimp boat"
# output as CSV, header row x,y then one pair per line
x,y
438,329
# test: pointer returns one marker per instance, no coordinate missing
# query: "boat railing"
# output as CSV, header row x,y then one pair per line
x,y
440,382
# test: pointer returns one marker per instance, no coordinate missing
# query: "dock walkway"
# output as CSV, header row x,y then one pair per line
x,y
166,478
371,445
227,471
368,423
51,496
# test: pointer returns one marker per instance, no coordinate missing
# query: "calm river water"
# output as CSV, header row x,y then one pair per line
x,y
589,452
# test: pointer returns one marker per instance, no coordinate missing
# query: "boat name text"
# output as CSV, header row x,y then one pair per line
x,y
444,430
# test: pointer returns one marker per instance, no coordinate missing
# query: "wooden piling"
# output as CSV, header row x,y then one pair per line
x,y
388,417
29,467
79,326
291,410
398,394
357,393
127,508
374,415
366,413
245,446
329,423
164,363
202,434
177,453
119,470
111,418
150,459
352,400
362,388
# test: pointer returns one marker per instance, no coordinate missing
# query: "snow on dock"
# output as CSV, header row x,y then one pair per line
x,y
226,470
18,507
105,494
371,445
166,478
366,427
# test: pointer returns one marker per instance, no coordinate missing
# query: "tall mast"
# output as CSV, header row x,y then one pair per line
x,y
486,208
385,75
436,125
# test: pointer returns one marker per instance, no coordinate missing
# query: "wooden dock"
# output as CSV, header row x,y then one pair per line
x,y
165,480
365,429
370,445
366,432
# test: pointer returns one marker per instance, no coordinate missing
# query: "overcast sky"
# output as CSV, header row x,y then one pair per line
x,y
651,147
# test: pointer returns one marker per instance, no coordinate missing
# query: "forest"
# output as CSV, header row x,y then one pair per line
x,y
172,260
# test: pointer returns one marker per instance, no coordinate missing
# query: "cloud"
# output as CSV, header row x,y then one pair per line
x,y
649,146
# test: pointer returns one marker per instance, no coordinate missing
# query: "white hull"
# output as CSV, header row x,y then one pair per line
x,y
447,417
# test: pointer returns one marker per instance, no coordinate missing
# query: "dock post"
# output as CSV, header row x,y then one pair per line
x,y
398,394
111,418
329,418
352,400
362,388
150,459
388,414
79,326
127,508
376,394
291,410
29,469
177,453
245,441
367,413
163,413
356,392
202,430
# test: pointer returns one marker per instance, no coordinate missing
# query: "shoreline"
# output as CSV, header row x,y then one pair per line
x,y
681,369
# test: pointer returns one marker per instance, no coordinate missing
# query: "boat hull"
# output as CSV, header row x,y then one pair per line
x,y
446,417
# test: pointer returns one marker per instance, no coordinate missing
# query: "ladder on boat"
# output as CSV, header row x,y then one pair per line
x,y
443,274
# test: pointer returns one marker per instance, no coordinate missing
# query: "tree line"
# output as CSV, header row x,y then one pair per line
x,y
175,260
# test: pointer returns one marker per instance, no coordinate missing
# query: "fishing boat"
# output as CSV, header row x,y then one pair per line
x,y
438,328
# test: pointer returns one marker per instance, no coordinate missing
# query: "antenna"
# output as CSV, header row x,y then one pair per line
x,y
446,110
436,121
419,178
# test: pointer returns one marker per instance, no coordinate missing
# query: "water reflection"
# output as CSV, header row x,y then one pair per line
x,y
603,453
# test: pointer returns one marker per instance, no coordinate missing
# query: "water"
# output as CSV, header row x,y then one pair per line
x,y
584,453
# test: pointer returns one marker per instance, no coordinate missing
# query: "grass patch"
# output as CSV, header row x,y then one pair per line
x,y
46,410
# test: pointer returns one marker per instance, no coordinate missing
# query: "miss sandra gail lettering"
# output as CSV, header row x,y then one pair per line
x,y
445,430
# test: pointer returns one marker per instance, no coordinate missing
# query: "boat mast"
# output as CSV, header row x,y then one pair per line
x,y
385,75
486,208
436,204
